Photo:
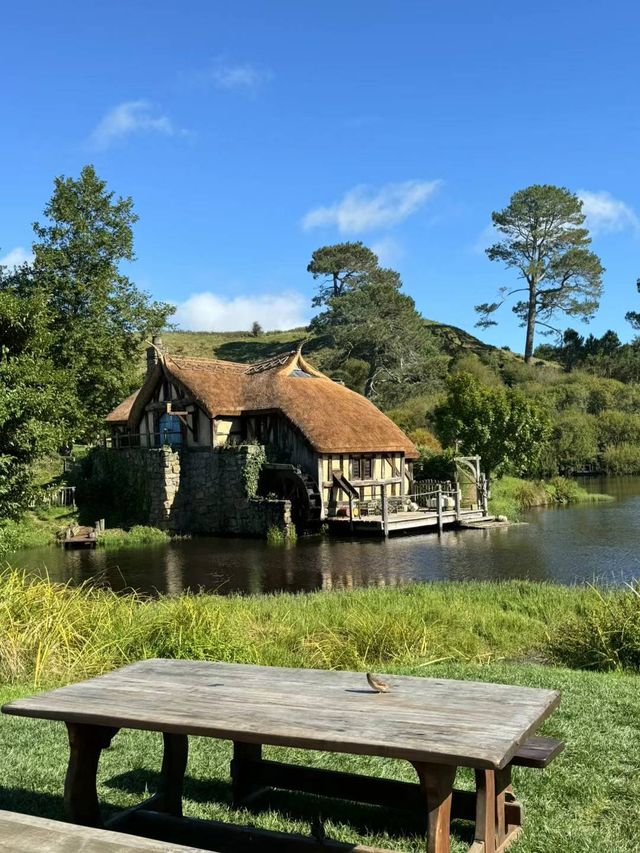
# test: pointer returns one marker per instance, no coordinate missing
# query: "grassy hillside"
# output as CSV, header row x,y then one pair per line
x,y
242,346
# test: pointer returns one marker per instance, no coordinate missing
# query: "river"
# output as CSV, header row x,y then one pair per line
x,y
576,544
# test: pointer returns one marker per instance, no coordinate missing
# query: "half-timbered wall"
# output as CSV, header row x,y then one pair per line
x,y
365,471
198,432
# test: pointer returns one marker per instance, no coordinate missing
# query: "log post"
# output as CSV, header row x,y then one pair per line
x,y
458,500
385,510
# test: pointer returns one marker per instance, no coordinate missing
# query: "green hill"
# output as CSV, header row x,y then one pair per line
x,y
244,347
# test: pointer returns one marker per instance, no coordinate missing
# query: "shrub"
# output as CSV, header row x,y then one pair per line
x,y
615,427
573,441
623,459
605,636
423,438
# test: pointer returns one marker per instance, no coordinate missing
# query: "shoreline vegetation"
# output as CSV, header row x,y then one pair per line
x,y
56,632
512,496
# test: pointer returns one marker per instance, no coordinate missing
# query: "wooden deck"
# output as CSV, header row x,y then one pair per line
x,y
422,521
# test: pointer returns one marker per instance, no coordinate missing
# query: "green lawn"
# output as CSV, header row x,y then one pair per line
x,y
587,801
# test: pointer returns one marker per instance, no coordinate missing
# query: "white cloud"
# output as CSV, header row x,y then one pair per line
x,y
389,251
207,312
16,257
129,118
365,209
235,77
606,214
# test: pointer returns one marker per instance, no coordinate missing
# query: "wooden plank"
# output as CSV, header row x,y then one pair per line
x,y
231,839
419,719
538,752
26,834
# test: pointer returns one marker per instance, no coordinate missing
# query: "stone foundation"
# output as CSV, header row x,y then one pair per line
x,y
204,491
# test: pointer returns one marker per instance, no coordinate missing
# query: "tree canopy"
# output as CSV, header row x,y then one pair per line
x,y
33,398
344,267
499,424
633,317
543,238
97,316
372,324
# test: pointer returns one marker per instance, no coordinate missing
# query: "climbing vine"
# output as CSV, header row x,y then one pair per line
x,y
254,460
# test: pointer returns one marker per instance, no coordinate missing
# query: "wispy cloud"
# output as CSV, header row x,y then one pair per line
x,y
607,214
366,209
235,77
207,312
389,250
16,257
129,118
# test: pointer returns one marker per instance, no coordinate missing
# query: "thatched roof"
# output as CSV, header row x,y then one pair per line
x,y
333,418
120,415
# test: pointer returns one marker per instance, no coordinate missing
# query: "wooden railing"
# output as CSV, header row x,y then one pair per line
x,y
62,496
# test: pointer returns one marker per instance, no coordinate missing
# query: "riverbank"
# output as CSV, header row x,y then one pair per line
x,y
44,527
512,496
54,632
588,799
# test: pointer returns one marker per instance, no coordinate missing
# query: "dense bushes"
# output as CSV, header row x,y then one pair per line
x,y
623,459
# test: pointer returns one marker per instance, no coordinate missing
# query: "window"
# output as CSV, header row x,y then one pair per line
x,y
361,467
170,429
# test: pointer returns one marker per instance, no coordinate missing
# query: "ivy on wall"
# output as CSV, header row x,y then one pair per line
x,y
254,462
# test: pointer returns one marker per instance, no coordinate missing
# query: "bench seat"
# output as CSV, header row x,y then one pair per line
x,y
21,833
537,752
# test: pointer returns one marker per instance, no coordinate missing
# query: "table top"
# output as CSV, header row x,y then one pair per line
x,y
419,719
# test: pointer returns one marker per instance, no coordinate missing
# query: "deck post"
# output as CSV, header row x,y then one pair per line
x,y
350,512
458,500
385,510
439,508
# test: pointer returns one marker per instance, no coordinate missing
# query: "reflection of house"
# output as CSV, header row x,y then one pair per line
x,y
323,440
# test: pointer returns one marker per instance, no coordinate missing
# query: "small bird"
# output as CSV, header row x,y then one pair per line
x,y
377,684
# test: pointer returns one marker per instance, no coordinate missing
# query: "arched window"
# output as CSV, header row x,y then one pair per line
x,y
170,428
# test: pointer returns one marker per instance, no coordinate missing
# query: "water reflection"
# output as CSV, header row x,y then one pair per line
x,y
568,545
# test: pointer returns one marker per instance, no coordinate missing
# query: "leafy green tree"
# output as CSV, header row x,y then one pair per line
x,y
33,398
344,267
98,317
543,238
377,324
633,317
500,425
256,329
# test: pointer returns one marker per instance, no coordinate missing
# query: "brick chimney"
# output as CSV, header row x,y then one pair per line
x,y
154,352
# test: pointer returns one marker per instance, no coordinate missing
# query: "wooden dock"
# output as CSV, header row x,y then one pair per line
x,y
413,522
80,537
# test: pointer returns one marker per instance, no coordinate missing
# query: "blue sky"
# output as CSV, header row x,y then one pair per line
x,y
250,133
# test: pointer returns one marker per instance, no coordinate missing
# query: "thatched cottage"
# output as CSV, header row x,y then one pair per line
x,y
324,442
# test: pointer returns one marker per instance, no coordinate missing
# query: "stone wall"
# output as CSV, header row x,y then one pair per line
x,y
204,491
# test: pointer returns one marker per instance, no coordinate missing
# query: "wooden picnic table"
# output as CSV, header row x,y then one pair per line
x,y
435,724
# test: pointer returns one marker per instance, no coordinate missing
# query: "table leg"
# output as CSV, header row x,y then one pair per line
x,y
436,783
486,815
243,784
498,815
174,765
86,742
